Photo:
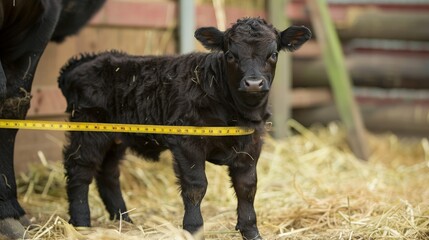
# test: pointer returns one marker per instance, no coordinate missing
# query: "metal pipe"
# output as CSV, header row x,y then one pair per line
x,y
187,26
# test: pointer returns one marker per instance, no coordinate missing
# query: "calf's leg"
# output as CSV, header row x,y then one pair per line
x,y
83,157
189,166
244,180
108,183
79,176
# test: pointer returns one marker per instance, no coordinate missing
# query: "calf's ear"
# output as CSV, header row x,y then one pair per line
x,y
210,37
293,37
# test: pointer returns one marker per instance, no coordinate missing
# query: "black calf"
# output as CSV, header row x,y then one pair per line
x,y
226,87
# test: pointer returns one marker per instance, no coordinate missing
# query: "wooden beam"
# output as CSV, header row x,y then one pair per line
x,y
383,70
162,14
281,88
339,77
137,14
343,13
310,97
46,101
378,21
400,118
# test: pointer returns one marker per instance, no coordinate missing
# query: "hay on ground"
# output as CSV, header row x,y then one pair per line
x,y
310,187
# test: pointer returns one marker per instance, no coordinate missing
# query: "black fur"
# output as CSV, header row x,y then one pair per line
x,y
74,14
197,89
26,27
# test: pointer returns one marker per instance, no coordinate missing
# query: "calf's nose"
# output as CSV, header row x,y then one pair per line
x,y
253,85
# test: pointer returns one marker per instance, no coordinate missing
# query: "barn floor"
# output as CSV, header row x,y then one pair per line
x,y
310,187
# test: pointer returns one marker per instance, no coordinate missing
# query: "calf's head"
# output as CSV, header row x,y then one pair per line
x,y
251,47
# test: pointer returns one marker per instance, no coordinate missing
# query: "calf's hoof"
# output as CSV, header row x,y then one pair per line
x,y
84,222
251,235
257,237
127,219
124,217
11,229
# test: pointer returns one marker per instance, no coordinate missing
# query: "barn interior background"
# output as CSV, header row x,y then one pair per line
x,y
386,51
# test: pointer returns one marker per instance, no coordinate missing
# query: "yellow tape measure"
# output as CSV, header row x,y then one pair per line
x,y
126,128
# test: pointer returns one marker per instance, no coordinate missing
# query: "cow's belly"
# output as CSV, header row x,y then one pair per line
x,y
18,17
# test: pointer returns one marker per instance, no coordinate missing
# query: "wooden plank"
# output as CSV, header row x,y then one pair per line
x,y
366,69
53,58
46,101
386,25
310,97
131,40
137,14
378,21
44,73
311,50
30,142
400,118
161,14
205,15
342,13
88,40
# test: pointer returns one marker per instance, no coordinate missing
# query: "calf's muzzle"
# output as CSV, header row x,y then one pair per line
x,y
254,85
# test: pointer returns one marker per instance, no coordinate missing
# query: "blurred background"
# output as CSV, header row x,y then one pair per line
x,y
385,45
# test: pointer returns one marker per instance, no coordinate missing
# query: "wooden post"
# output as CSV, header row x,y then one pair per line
x,y
338,76
281,89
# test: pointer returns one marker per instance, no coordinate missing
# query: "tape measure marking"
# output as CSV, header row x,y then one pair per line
x,y
125,128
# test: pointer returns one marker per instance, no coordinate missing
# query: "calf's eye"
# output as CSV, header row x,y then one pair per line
x,y
273,56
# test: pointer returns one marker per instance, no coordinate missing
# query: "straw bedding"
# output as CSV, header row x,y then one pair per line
x,y
310,187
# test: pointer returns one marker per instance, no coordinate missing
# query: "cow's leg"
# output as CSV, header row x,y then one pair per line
x,y
108,183
10,210
20,73
2,83
244,179
11,213
189,166
16,77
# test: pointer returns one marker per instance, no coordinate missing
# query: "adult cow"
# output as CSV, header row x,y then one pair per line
x,y
26,27
227,87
